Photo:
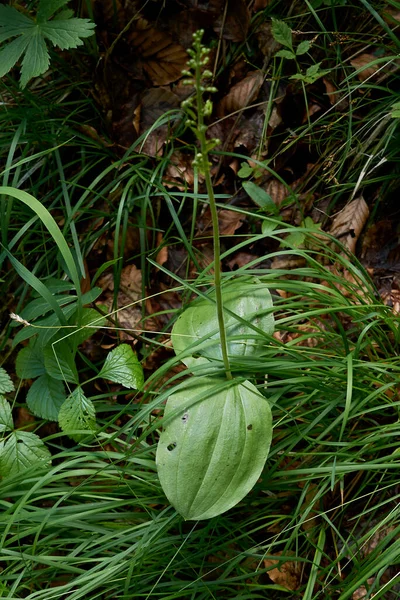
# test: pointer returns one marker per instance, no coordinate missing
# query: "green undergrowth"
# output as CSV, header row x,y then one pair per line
x,y
96,523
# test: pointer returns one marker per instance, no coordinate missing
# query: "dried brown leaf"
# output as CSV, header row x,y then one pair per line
x,y
163,59
348,224
242,94
277,190
234,23
362,61
287,574
229,221
180,171
155,103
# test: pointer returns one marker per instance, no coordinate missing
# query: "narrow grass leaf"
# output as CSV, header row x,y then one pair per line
x,y
52,227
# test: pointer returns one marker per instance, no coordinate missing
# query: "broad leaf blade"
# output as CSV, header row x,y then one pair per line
x,y
21,451
77,416
260,197
6,384
197,327
214,445
122,366
6,420
45,397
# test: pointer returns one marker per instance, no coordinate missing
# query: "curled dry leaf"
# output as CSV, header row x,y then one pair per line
x,y
287,574
155,103
348,224
232,24
128,301
363,62
180,171
163,59
242,94
277,190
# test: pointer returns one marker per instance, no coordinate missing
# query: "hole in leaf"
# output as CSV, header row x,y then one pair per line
x,y
171,447
250,427
185,418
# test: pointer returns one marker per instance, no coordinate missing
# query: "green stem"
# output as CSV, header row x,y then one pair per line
x,y
201,133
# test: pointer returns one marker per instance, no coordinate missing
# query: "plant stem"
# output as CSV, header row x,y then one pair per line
x,y
205,167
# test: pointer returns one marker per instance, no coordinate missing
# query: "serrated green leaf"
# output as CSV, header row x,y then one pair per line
x,y
282,33
47,8
22,450
36,60
197,327
6,420
62,32
59,362
303,47
45,397
13,21
67,34
214,445
30,362
64,14
260,197
77,416
122,366
6,384
285,54
11,54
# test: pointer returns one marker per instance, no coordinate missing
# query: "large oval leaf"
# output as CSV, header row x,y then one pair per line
x,y
247,305
214,445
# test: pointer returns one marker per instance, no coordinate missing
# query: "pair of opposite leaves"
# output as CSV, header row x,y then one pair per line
x,y
216,433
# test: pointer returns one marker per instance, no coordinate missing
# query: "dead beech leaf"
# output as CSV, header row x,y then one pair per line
x,y
229,221
277,190
180,171
362,591
233,24
162,254
242,94
155,103
130,283
163,59
362,61
348,224
287,574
